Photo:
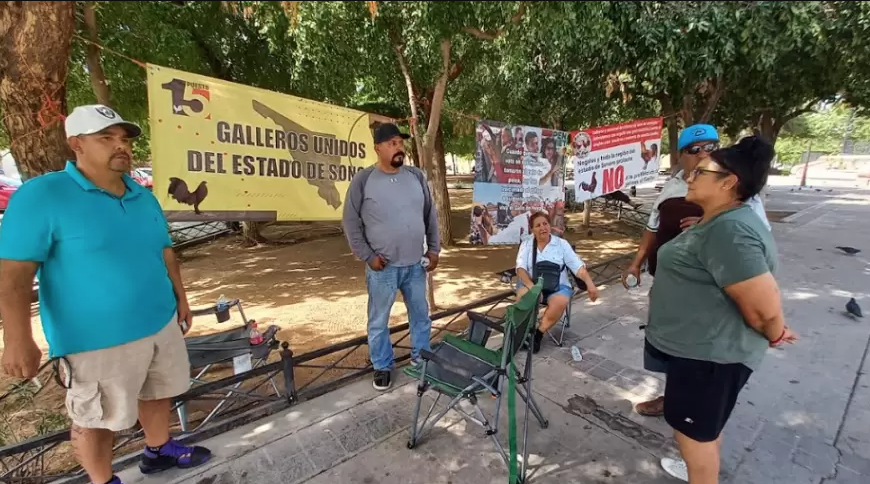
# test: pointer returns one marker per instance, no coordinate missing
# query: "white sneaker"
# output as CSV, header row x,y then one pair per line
x,y
676,468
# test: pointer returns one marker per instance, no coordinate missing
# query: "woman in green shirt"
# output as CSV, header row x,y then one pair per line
x,y
715,306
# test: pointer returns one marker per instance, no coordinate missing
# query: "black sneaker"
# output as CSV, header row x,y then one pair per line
x,y
539,338
383,380
173,454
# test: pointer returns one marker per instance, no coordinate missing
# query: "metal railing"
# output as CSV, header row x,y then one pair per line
x,y
26,462
187,236
623,212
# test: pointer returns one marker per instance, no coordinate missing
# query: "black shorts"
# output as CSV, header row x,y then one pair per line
x,y
700,395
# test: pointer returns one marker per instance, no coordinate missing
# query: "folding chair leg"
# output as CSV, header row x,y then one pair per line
x,y
525,392
525,461
489,430
563,323
182,417
421,390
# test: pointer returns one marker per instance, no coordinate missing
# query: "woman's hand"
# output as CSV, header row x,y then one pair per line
x,y
592,291
687,222
788,336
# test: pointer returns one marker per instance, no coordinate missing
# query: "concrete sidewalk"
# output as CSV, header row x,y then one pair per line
x,y
803,418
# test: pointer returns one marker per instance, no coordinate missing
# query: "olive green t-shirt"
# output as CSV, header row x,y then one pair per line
x,y
690,314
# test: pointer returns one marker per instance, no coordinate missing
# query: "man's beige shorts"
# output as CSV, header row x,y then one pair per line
x,y
107,384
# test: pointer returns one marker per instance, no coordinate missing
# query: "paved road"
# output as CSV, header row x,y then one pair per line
x,y
803,418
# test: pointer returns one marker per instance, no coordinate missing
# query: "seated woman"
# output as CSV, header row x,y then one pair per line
x,y
714,305
554,250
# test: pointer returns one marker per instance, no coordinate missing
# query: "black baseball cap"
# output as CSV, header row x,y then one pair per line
x,y
387,131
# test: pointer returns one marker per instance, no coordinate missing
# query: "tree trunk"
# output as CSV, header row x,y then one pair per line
x,y
35,42
413,100
415,155
673,142
95,65
671,122
435,167
767,126
441,195
251,234
673,137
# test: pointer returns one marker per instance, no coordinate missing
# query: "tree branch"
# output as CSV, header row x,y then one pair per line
x,y
95,66
484,35
719,89
808,108
440,90
457,68
686,111
399,49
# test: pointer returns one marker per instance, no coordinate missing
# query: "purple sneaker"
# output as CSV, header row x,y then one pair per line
x,y
173,454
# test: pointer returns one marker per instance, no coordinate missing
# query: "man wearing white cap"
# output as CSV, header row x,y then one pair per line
x,y
112,302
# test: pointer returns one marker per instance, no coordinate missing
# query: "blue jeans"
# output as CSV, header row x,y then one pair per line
x,y
382,287
563,290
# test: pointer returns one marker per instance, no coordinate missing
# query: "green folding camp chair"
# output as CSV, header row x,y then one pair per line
x,y
461,368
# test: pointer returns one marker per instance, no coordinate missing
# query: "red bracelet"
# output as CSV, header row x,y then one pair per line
x,y
778,340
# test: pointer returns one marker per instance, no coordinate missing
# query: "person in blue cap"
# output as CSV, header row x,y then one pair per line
x,y
669,216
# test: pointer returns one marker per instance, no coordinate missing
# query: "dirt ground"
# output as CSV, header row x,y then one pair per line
x,y
309,284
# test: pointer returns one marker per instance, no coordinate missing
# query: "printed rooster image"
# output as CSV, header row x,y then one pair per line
x,y
648,154
181,193
589,187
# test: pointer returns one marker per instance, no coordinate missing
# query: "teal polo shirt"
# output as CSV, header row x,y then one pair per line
x,y
102,278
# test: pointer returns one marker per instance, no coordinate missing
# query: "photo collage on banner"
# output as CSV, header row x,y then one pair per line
x,y
519,170
610,158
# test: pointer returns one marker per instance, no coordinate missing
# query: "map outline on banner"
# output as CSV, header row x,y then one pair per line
x,y
519,170
227,151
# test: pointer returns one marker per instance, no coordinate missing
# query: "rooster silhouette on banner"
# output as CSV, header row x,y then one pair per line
x,y
589,187
179,191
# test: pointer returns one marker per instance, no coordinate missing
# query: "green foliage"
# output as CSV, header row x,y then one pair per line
x,y
822,132
551,66
253,45
789,61
4,137
853,39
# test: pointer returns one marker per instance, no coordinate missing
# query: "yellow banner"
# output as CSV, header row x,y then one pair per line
x,y
224,151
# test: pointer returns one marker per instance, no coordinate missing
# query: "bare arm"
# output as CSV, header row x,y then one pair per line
x,y
16,292
174,269
21,355
760,304
584,276
646,244
524,276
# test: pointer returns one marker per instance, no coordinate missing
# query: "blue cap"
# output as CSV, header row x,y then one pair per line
x,y
696,133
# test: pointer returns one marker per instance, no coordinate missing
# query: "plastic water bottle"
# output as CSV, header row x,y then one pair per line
x,y
424,262
256,336
575,353
631,281
222,302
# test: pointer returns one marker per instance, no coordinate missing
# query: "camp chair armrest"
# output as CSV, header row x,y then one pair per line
x,y
203,311
485,320
428,355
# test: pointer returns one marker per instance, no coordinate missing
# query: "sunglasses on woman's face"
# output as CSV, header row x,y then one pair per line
x,y
709,148
700,171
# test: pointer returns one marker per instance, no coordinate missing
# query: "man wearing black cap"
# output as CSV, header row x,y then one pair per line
x,y
391,224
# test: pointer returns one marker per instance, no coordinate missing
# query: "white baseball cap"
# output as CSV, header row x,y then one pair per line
x,y
94,118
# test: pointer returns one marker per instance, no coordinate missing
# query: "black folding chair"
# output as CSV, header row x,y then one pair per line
x,y
206,351
577,286
464,368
